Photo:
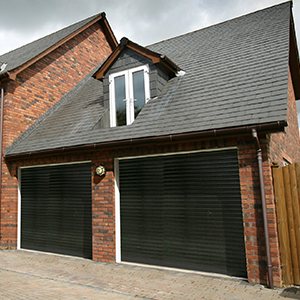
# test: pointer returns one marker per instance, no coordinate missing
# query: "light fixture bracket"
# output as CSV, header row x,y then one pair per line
x,y
100,170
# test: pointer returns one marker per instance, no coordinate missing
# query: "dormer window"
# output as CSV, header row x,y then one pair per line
x,y
125,92
129,91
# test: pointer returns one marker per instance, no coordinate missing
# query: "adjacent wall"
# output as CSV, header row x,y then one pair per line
x,y
33,92
284,147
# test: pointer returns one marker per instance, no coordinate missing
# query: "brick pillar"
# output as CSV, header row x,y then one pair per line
x,y
103,209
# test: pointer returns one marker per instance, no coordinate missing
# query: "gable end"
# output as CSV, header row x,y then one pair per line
x,y
156,58
11,73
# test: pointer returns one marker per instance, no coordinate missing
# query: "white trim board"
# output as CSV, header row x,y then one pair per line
x,y
19,211
179,152
56,164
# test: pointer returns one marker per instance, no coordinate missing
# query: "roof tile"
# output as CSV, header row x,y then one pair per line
x,y
236,75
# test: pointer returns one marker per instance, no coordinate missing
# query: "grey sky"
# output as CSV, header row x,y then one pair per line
x,y
142,21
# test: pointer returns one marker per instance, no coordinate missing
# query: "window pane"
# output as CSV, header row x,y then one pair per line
x,y
138,91
120,103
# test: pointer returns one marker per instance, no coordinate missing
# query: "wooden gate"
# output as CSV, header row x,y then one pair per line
x,y
287,192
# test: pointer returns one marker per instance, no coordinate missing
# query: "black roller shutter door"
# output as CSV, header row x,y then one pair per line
x,y
56,210
183,211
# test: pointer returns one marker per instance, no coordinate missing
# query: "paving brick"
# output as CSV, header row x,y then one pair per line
x,y
36,275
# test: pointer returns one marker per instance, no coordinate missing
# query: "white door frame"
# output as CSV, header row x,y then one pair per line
x,y
117,190
19,192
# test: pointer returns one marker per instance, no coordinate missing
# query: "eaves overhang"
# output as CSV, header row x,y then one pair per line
x,y
156,58
241,131
101,18
294,58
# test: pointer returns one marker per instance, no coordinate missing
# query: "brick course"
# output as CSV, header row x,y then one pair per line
x,y
103,198
34,91
286,145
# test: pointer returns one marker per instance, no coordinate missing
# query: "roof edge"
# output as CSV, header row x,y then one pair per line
x,y
109,34
221,22
294,57
262,129
101,18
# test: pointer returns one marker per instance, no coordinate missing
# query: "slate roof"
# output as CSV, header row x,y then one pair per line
x,y
19,56
236,75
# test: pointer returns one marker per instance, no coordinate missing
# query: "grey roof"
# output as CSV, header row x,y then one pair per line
x,y
236,75
19,56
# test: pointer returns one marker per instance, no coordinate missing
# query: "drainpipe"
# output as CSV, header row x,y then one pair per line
x,y
264,207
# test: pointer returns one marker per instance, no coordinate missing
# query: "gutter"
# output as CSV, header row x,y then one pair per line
x,y
264,206
181,137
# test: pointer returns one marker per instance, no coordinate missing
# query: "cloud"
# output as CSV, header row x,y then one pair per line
x,y
143,21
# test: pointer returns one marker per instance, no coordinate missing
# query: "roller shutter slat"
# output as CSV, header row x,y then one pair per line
x,y
183,211
56,211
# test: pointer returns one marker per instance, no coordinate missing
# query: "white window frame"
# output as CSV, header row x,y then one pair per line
x,y
128,92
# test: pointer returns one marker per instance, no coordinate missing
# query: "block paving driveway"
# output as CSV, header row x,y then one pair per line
x,y
35,275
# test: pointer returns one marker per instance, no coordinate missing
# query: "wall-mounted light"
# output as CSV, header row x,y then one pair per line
x,y
100,170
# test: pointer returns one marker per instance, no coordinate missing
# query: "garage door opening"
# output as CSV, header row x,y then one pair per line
x,y
183,211
56,209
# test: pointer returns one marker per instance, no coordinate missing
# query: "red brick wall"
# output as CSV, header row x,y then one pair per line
x,y
287,145
41,85
103,201
103,205
34,91
253,216
280,147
